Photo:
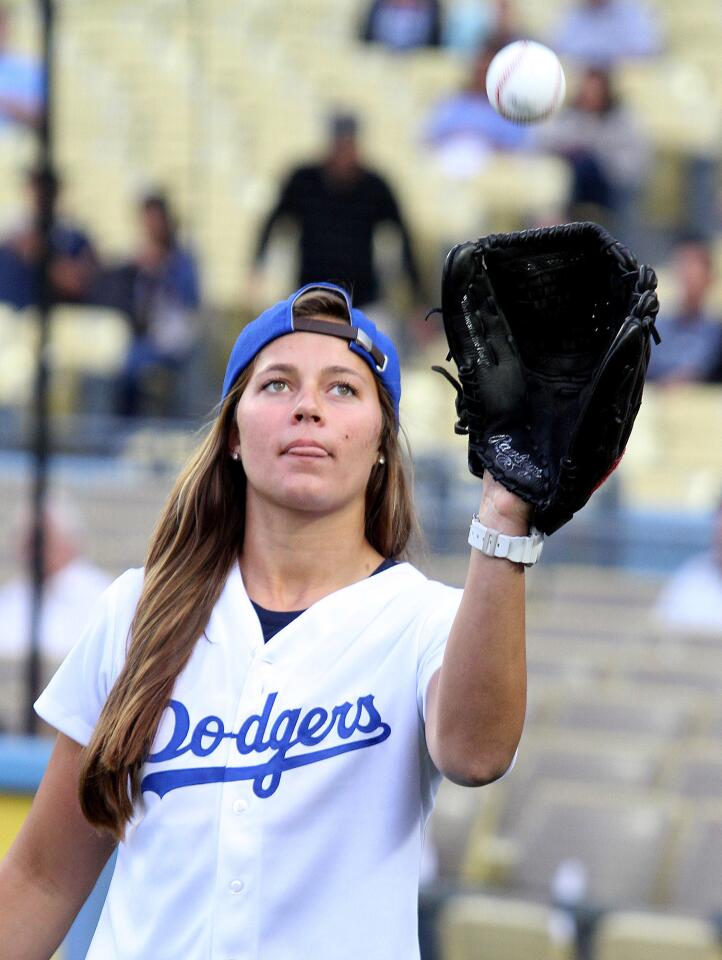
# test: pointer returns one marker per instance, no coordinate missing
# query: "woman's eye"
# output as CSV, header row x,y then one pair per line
x,y
344,389
275,386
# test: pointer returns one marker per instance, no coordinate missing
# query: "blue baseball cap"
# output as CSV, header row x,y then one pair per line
x,y
363,337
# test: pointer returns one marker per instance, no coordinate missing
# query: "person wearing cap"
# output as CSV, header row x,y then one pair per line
x,y
338,205
260,718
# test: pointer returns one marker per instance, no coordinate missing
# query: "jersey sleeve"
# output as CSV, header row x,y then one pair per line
x,y
434,631
74,698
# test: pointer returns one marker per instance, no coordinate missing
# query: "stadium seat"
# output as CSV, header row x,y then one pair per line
x,y
625,709
602,656
671,650
433,74
455,811
672,98
540,17
578,759
576,671
17,150
18,357
647,936
680,675
475,927
565,582
670,463
713,724
620,836
585,618
89,339
695,770
694,882
427,412
85,342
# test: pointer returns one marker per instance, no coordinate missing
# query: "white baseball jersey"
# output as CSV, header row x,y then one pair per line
x,y
285,799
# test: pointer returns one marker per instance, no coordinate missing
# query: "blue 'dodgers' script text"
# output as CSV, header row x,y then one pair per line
x,y
356,727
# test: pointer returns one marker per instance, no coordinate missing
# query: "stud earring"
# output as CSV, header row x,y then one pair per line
x,y
235,455
381,459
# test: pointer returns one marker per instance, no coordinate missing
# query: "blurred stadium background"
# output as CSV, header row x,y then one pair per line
x,y
607,839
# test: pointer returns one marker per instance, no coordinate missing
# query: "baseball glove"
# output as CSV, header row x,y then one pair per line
x,y
550,331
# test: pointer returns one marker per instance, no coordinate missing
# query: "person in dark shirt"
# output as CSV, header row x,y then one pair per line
x,y
403,25
691,329
158,290
337,205
73,260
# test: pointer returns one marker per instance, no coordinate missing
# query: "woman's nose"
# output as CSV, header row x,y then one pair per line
x,y
301,415
308,407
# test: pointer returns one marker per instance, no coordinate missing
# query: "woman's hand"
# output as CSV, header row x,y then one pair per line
x,y
502,510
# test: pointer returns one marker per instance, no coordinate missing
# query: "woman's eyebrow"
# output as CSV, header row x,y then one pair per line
x,y
276,368
342,370
334,370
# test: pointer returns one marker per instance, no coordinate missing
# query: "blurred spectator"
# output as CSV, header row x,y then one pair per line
x,y
601,139
603,32
72,263
691,347
21,82
463,129
403,24
158,289
692,597
338,204
468,24
72,585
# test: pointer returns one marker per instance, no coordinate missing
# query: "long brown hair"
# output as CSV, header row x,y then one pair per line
x,y
195,543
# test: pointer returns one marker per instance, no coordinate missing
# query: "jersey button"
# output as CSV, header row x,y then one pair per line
x,y
240,805
236,886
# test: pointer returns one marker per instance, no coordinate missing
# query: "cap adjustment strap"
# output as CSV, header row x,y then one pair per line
x,y
344,330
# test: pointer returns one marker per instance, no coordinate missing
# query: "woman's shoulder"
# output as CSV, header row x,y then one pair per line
x,y
428,590
132,578
125,590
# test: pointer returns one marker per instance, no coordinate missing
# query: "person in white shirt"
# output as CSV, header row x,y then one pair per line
x,y
605,32
72,585
260,717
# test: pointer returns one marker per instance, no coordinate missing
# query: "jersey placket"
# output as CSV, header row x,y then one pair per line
x,y
237,907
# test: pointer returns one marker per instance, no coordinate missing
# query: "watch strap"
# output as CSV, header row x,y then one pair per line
x,y
526,550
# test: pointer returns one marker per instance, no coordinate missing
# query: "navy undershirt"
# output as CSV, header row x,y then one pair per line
x,y
274,620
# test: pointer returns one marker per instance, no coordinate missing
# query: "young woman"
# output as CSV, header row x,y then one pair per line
x,y
261,716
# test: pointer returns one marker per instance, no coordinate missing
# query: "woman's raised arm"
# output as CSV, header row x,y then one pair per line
x,y
476,701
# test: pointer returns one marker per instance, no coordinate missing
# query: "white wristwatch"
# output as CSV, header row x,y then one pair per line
x,y
526,550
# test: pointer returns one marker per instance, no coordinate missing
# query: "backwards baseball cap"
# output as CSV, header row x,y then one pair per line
x,y
363,337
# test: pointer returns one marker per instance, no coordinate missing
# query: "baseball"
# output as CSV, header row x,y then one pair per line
x,y
525,82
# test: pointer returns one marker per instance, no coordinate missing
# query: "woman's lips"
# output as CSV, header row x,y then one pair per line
x,y
306,448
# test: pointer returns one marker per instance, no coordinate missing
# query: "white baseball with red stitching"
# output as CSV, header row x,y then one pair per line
x,y
525,82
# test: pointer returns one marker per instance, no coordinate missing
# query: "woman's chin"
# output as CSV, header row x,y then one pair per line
x,y
306,495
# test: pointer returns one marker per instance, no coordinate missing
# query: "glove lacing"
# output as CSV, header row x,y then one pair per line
x,y
462,424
